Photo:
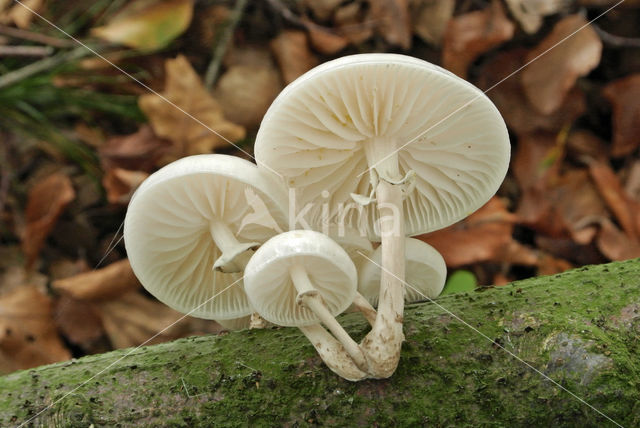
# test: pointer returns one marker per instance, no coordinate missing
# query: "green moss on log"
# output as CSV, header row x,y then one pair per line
x,y
581,328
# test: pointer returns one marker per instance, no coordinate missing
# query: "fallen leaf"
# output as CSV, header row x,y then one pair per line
x,y
632,186
470,35
624,96
133,319
28,336
571,50
531,13
584,146
322,9
485,235
16,276
352,22
537,160
105,283
248,55
500,78
292,52
548,265
46,201
141,151
615,244
568,249
187,115
245,93
148,25
325,40
578,204
623,207
430,18
121,183
22,15
78,321
392,21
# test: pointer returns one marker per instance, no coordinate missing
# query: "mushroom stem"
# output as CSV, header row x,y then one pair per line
x,y
382,344
333,353
310,297
234,256
362,305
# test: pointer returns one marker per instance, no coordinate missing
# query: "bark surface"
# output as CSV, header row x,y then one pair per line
x,y
580,328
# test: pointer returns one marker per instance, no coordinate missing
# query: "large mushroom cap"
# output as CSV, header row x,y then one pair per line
x,y
396,113
167,230
270,288
426,273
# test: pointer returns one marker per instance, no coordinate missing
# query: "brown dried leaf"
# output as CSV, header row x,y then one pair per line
x,y
392,21
21,15
485,235
570,51
632,186
78,321
105,283
325,40
245,93
322,9
28,337
139,151
47,200
505,90
568,249
625,209
353,23
615,244
583,146
530,13
121,183
430,18
133,319
293,54
190,106
470,35
624,95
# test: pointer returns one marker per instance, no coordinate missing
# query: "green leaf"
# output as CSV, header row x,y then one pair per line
x,y
148,26
459,282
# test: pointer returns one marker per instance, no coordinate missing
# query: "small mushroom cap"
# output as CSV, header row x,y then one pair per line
x,y
167,235
426,271
271,291
399,113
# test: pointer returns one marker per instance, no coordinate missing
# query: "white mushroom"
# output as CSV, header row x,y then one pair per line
x,y
194,214
426,273
415,146
301,278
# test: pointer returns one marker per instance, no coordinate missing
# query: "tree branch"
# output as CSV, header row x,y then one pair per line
x,y
579,329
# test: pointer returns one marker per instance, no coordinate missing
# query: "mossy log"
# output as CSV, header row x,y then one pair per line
x,y
580,328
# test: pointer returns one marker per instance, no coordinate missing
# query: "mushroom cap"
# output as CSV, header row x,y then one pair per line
x,y
327,128
426,271
271,291
167,235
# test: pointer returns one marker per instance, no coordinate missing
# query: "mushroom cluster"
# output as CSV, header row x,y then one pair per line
x,y
369,148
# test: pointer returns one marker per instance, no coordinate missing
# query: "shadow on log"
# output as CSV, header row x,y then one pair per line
x,y
580,328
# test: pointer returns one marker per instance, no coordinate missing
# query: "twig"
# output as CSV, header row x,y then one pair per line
x,y
42,65
616,41
35,37
25,50
223,43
